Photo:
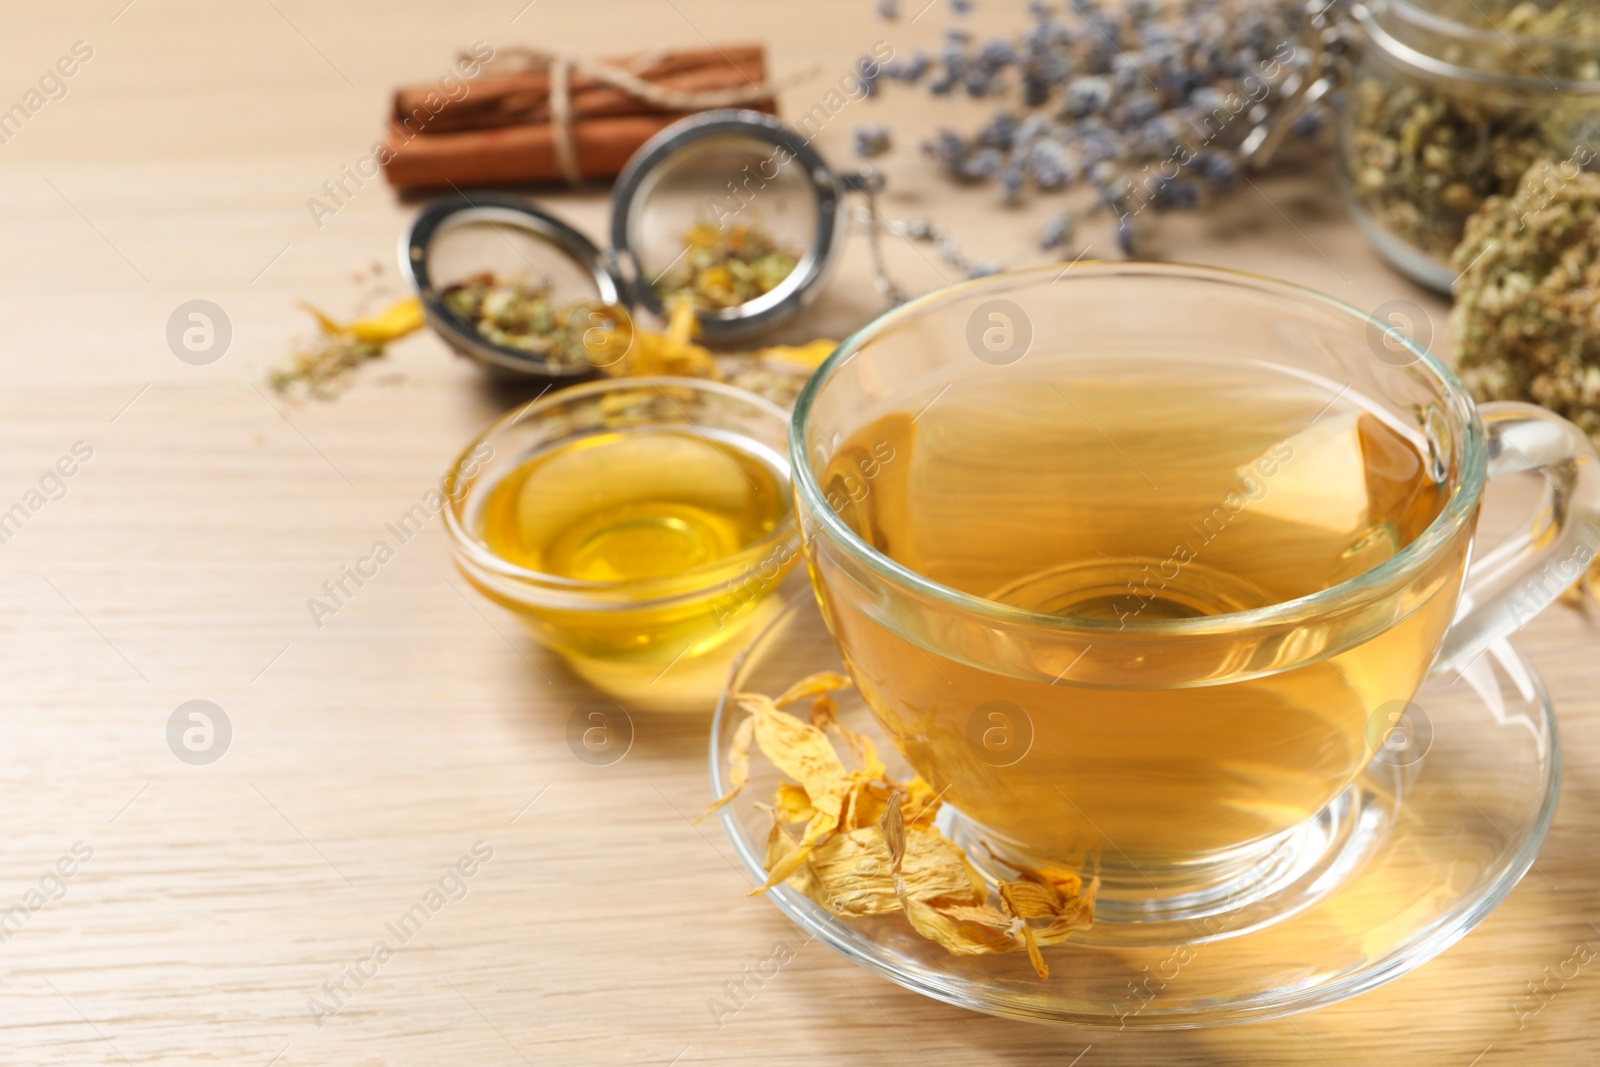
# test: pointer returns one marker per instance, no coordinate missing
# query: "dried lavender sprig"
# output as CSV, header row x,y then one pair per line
x,y
1149,104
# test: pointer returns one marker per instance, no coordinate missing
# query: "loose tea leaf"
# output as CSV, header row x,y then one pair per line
x,y
870,846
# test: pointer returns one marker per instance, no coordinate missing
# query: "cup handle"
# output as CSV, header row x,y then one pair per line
x,y
1516,580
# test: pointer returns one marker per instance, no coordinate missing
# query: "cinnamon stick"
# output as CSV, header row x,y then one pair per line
x,y
516,154
524,97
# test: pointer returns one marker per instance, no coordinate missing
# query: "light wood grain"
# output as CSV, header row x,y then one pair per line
x,y
371,753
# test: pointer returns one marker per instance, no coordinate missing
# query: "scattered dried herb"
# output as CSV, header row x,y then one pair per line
x,y
726,268
601,335
1421,156
868,844
318,366
777,373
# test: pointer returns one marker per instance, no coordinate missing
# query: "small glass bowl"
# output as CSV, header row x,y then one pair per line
x,y
1442,113
650,641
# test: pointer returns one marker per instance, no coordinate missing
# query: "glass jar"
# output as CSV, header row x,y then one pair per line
x,y
1446,108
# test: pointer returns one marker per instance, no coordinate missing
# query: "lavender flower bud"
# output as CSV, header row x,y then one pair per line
x,y
1057,232
872,141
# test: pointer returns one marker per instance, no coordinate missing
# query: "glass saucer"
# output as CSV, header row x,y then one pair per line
x,y
1420,849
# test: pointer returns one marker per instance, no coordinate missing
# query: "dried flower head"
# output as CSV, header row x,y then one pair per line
x,y
1528,298
724,268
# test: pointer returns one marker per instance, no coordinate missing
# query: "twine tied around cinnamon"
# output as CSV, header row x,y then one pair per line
x,y
562,66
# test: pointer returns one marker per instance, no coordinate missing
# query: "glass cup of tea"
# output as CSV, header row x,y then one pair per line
x,y
1139,565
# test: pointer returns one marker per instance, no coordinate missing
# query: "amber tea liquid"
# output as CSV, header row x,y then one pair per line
x,y
1135,496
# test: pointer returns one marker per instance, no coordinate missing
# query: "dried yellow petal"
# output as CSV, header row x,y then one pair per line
x,y
935,869
1027,900
809,355
852,870
1035,957
738,765
792,804
391,324
919,803
798,749
780,843
784,867
870,846
1076,915
894,833
661,354
812,686
952,933
862,801
825,716
825,712
682,325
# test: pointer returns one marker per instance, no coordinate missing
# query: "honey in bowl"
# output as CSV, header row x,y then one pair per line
x,y
635,504
636,538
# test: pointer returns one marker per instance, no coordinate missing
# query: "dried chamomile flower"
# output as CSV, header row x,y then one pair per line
x,y
869,844
726,268
518,312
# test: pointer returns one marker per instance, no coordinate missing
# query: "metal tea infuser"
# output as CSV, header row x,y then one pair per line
x,y
721,168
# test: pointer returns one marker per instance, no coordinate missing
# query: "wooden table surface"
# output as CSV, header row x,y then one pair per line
x,y
206,905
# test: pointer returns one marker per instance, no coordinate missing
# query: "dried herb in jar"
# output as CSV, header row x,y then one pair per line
x,y
726,268
1421,155
1528,297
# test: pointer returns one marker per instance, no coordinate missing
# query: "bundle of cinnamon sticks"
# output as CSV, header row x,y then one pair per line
x,y
505,128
